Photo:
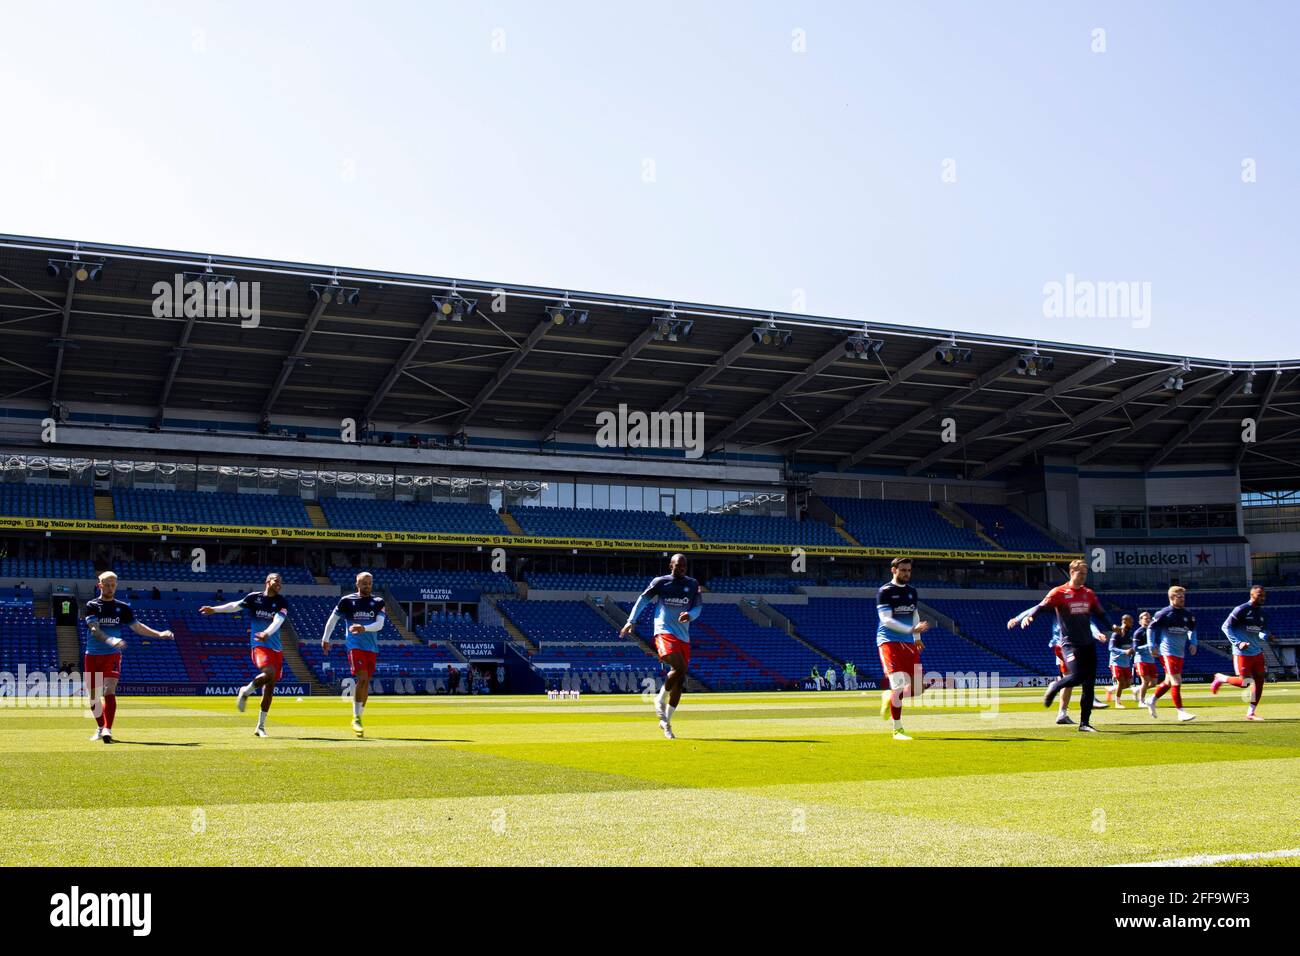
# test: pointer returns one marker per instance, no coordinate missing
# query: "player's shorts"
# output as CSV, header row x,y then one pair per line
x,y
896,656
1121,673
1249,665
105,665
666,644
1060,660
1173,665
1148,670
265,657
360,660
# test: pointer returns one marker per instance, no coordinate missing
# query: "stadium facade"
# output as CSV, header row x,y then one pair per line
x,y
514,462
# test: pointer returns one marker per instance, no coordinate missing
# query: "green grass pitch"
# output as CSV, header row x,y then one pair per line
x,y
753,779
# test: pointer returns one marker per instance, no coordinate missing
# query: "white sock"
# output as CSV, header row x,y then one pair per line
x,y
1062,709
661,699
898,725
261,720
247,689
357,708
668,711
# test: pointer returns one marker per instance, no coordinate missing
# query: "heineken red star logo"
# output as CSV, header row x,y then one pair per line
x,y
1203,557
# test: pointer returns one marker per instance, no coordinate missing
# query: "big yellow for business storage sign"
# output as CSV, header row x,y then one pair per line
x,y
501,541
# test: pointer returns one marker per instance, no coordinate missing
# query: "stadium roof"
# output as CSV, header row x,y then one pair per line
x,y
395,358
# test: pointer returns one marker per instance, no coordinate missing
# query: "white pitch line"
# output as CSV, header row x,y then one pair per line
x,y
1223,858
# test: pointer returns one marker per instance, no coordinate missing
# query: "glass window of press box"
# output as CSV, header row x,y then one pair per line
x,y
1164,521
498,492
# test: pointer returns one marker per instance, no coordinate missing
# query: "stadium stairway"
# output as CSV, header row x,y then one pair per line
x,y
104,508
735,652
509,521
847,537
293,659
768,615
686,529
316,516
954,627
1060,537
960,519
512,629
398,617
69,644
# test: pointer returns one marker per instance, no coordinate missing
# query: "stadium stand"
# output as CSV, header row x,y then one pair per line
x,y
595,583
1009,530
248,576
560,622
26,639
451,628
488,582
38,500
758,585
902,524
36,569
210,507
597,523
442,516
761,529
845,629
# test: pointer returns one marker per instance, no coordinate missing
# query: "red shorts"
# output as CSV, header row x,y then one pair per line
x,y
1249,665
896,656
1148,670
1121,673
105,665
1060,660
360,660
265,657
1173,665
666,644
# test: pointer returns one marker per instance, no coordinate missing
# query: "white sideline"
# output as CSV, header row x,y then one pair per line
x,y
1223,858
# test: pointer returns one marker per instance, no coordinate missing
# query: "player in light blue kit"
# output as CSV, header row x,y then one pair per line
x,y
677,602
364,612
267,611
1246,631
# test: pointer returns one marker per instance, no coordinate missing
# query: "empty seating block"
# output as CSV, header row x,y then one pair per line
x,y
757,585
597,523
209,507
442,516
38,500
489,582
845,628
247,577
595,583
762,529
902,524
26,640
1010,530
37,569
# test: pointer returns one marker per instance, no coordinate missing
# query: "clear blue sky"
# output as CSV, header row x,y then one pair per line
x,y
392,135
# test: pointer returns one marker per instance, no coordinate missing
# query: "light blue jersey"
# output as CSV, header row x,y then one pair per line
x,y
111,617
1172,629
1246,624
896,602
671,596
1142,641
